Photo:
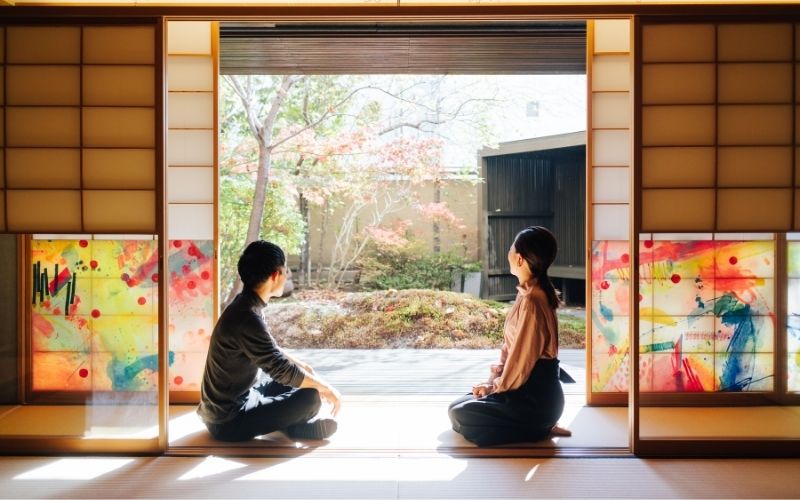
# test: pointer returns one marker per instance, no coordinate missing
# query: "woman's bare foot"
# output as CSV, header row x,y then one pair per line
x,y
560,431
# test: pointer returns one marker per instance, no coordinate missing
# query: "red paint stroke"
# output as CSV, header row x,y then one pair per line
x,y
676,358
63,277
612,350
154,277
693,381
625,258
195,251
41,325
145,271
177,243
190,285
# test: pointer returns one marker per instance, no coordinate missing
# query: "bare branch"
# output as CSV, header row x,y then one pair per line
x,y
244,95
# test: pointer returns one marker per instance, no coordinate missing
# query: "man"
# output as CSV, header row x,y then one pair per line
x,y
234,405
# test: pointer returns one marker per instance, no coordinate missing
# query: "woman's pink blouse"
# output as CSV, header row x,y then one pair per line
x,y
530,333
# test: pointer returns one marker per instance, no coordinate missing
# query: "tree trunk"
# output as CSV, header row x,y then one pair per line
x,y
257,214
305,253
322,234
437,197
263,135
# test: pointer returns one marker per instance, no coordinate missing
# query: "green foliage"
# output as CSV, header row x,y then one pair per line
x,y
411,266
282,223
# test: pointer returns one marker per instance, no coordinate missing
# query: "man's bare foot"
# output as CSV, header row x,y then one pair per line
x,y
560,431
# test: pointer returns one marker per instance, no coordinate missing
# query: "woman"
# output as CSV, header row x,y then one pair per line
x,y
523,399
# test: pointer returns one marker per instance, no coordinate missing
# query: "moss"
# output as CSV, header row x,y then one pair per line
x,y
420,319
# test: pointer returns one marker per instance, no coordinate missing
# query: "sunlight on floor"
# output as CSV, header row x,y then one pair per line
x,y
530,473
356,469
75,469
184,425
210,466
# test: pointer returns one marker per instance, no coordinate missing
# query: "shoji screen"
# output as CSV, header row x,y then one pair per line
x,y
793,314
717,127
80,129
191,193
718,181
610,77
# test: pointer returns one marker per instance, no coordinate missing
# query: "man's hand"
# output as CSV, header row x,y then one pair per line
x,y
481,390
305,366
332,396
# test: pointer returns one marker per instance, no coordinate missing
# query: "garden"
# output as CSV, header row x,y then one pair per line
x,y
369,184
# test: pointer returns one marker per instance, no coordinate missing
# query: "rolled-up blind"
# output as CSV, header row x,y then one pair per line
x,y
532,48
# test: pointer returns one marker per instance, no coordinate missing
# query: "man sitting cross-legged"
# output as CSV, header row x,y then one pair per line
x,y
234,405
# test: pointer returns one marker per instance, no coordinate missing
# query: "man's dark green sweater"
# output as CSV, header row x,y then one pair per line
x,y
241,344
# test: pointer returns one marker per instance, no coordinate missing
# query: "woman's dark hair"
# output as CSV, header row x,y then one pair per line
x,y
538,247
258,261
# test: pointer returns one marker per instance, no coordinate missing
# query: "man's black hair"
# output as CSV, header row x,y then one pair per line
x,y
258,261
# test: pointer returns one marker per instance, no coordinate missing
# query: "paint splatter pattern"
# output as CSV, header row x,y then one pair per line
x,y
706,308
104,337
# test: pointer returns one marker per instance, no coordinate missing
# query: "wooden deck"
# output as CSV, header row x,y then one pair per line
x,y
420,371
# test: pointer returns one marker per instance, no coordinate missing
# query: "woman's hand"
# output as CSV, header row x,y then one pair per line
x,y
482,390
495,371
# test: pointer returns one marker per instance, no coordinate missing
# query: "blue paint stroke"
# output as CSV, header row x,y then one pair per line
x,y
123,375
606,329
741,349
606,312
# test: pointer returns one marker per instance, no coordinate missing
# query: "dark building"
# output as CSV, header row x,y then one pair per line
x,y
540,182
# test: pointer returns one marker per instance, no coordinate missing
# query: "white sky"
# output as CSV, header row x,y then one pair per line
x,y
561,101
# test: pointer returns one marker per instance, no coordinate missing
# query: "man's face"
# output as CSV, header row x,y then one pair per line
x,y
277,282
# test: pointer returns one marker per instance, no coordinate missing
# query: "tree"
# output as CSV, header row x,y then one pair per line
x,y
328,141
272,116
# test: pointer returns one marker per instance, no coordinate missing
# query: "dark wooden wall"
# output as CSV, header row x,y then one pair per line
x,y
543,188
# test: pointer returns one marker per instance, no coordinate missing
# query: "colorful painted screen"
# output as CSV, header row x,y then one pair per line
x,y
191,311
706,311
793,324
94,316
94,320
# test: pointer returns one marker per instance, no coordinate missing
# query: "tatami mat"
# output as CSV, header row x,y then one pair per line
x,y
406,423
369,423
311,476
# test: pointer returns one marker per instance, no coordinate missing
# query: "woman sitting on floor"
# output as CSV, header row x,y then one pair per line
x,y
522,400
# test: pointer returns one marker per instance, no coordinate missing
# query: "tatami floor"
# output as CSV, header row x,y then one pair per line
x,y
393,477
396,400
404,423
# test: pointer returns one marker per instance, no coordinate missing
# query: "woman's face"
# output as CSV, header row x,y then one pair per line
x,y
515,260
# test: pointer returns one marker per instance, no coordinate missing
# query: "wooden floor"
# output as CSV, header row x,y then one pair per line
x,y
396,400
411,424
397,477
420,371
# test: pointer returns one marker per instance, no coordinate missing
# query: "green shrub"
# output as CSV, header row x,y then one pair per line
x,y
411,267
